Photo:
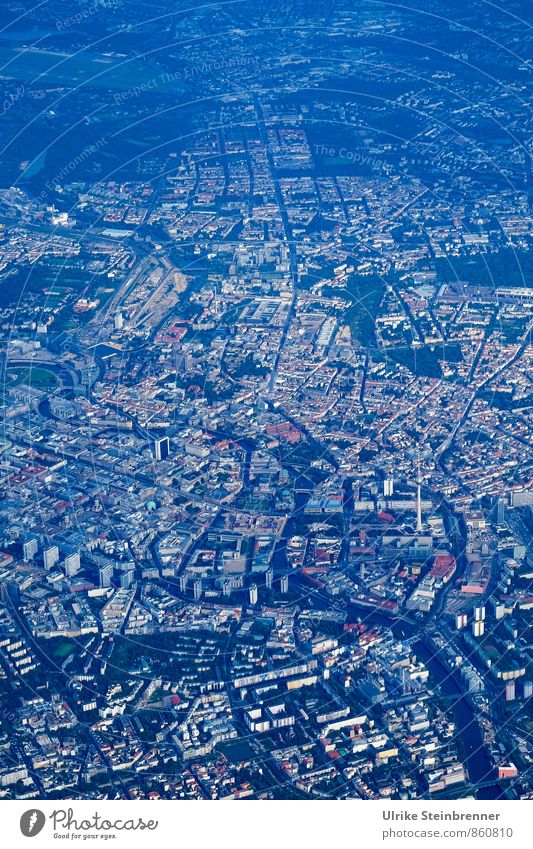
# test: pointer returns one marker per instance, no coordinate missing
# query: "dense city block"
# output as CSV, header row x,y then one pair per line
x,y
265,354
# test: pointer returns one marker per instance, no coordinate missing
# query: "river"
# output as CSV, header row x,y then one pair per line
x,y
480,769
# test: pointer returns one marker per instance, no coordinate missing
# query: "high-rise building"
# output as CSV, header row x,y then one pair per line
x,y
119,321
50,556
479,613
252,594
284,584
197,588
72,564
269,577
460,620
162,448
105,573
388,486
183,583
127,578
478,628
30,547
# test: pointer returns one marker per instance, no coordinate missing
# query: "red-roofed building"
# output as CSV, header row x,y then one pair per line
x,y
443,567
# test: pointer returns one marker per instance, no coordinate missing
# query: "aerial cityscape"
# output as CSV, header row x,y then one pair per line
x,y
266,498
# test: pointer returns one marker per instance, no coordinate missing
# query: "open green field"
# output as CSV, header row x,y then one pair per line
x,y
58,649
237,750
107,72
39,378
